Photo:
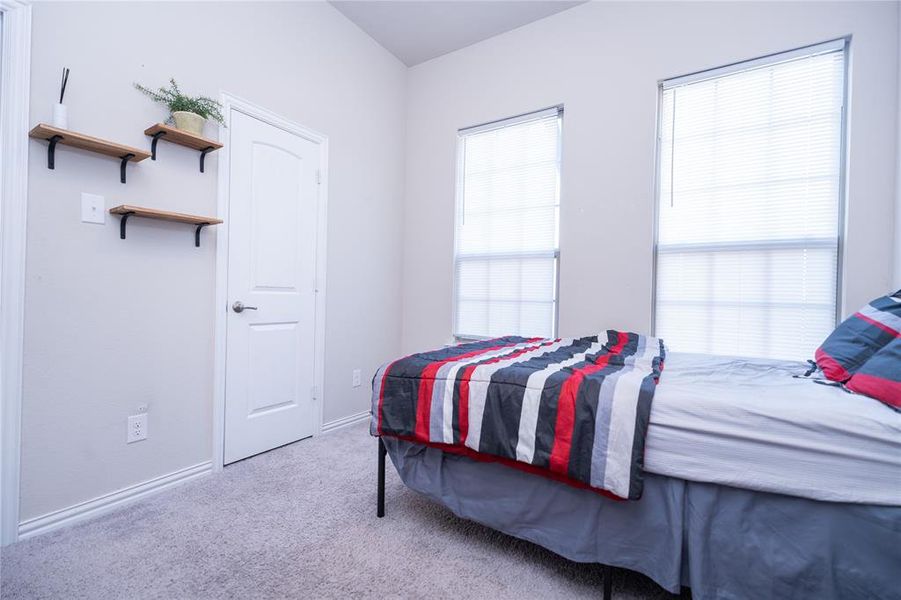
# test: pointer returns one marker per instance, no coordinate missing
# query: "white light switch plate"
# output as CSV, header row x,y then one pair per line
x,y
356,378
92,208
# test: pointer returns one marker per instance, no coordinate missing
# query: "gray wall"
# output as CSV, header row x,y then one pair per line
x,y
113,324
603,60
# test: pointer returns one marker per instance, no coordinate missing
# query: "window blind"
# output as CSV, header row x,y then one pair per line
x,y
506,241
749,206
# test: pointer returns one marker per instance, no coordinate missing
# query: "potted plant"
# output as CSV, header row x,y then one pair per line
x,y
189,113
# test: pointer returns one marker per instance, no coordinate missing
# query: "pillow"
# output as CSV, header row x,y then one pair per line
x,y
880,376
859,337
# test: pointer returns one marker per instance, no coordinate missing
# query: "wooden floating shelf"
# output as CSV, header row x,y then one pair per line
x,y
127,210
182,138
164,215
55,136
42,131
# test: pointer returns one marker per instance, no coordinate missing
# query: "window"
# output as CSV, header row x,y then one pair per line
x,y
749,205
506,239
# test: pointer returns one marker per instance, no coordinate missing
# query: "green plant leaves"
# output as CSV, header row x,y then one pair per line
x,y
173,98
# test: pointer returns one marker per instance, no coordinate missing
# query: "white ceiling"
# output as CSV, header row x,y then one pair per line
x,y
418,30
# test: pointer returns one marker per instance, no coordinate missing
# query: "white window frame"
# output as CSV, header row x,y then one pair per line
x,y
458,208
843,44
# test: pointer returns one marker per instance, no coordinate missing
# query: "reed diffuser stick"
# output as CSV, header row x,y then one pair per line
x,y
62,88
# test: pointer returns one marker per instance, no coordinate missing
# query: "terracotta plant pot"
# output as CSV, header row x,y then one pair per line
x,y
188,121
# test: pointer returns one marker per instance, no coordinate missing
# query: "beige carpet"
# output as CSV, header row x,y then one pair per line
x,y
297,522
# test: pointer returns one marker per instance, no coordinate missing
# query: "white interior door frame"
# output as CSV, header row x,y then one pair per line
x,y
230,103
14,99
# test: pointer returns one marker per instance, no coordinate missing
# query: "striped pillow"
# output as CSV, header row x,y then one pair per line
x,y
880,376
860,337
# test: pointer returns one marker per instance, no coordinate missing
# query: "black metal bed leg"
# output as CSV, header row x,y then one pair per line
x,y
608,582
380,508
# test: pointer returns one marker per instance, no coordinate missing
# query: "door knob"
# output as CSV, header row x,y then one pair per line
x,y
238,306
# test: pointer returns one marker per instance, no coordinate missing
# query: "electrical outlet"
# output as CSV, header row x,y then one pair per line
x,y
92,208
137,428
356,378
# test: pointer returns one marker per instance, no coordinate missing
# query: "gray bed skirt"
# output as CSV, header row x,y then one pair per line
x,y
723,542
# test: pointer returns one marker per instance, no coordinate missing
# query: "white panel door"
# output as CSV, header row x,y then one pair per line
x,y
273,203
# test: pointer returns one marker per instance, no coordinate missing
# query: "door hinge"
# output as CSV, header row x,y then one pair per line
x,y
314,392
318,177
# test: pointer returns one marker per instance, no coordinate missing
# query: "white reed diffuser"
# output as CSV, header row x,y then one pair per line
x,y
60,114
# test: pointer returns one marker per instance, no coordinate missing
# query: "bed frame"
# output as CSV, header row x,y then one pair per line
x,y
380,512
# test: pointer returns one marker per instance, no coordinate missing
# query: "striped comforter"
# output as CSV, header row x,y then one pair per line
x,y
574,409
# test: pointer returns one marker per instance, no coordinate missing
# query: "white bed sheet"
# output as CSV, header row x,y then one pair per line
x,y
747,423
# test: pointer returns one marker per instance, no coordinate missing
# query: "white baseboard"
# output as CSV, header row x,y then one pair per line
x,y
108,502
344,421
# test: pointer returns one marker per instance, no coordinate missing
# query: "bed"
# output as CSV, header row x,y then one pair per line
x,y
755,484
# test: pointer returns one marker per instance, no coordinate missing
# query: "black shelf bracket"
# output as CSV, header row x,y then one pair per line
x,y
51,151
156,138
122,224
124,221
197,234
55,139
203,154
125,160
